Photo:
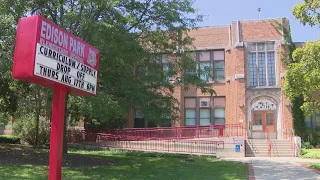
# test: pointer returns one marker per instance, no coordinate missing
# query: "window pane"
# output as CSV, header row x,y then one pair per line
x,y
204,113
190,122
218,55
219,113
257,119
138,113
190,118
218,70
270,118
205,122
261,46
270,46
204,56
190,113
190,103
218,64
219,102
271,69
262,69
219,121
205,71
252,70
308,121
317,120
252,47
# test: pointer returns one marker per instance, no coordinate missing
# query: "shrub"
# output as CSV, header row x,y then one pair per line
x,y
25,128
310,153
307,145
8,139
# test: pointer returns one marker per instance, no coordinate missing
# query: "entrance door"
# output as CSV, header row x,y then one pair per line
x,y
263,121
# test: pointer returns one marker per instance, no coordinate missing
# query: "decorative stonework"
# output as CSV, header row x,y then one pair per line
x,y
263,104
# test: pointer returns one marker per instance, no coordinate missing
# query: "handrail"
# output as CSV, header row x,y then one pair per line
x,y
288,134
269,143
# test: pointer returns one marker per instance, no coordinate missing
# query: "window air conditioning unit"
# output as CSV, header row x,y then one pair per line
x,y
204,103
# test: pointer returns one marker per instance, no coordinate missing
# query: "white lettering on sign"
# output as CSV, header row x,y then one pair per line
x,y
62,39
52,65
52,34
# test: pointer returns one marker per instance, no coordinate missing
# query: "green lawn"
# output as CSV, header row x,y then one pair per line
x,y
136,166
314,165
310,153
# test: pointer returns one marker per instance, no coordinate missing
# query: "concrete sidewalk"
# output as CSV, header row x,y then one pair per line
x,y
279,168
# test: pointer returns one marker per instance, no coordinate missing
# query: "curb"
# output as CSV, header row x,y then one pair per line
x,y
251,172
310,168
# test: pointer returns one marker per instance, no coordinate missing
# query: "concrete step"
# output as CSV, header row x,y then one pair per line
x,y
260,148
267,155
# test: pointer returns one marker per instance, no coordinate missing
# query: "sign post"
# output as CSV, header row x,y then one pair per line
x,y
56,134
49,56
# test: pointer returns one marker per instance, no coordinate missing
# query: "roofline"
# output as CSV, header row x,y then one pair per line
x,y
256,20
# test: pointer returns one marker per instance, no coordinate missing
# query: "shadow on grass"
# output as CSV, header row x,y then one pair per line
x,y
135,166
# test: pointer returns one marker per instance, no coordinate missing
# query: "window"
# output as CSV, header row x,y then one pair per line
x,y
139,121
166,60
190,117
270,119
166,70
204,65
308,121
204,111
218,65
219,116
317,120
257,119
261,64
205,71
210,64
205,117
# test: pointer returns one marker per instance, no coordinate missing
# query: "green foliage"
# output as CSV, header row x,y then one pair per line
x,y
130,36
313,138
308,12
8,139
25,128
314,165
303,77
310,153
307,145
298,117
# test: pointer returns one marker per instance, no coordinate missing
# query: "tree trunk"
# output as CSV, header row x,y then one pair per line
x,y
37,128
37,114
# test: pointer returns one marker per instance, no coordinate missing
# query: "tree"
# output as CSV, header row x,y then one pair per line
x,y
303,77
308,12
131,35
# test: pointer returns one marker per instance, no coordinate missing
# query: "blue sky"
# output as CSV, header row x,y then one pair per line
x,y
219,12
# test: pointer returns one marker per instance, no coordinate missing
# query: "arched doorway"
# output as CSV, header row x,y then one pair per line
x,y
263,115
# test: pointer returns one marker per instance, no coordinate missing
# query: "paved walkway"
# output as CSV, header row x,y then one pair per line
x,y
280,168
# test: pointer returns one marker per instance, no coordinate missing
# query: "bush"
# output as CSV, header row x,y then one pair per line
x,y
307,145
313,138
310,153
9,139
25,128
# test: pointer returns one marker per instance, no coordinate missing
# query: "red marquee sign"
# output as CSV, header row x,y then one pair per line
x,y
48,55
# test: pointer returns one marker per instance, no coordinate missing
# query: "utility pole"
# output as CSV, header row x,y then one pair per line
x,y
259,10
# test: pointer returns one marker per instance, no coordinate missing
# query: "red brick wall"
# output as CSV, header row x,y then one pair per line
x,y
210,36
260,30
